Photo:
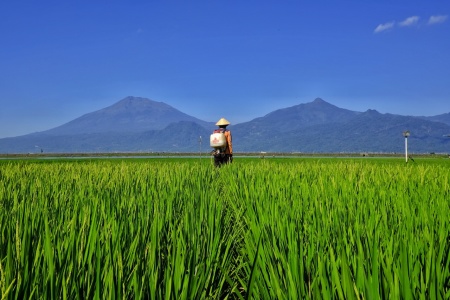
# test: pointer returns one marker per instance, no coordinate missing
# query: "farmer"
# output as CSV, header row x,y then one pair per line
x,y
226,154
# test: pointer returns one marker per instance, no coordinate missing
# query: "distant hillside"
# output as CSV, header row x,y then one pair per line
x,y
444,118
290,119
299,116
177,137
132,114
141,125
366,132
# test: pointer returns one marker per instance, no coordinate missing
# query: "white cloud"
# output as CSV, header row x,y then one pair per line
x,y
383,27
410,21
437,19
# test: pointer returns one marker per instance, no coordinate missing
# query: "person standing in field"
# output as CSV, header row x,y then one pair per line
x,y
224,155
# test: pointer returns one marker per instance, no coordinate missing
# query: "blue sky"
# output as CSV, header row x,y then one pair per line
x,y
228,58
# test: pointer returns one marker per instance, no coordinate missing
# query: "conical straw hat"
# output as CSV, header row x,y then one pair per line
x,y
223,121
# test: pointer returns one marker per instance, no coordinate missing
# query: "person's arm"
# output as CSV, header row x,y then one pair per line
x,y
229,142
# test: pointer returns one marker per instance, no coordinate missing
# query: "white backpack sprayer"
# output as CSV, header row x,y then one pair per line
x,y
218,141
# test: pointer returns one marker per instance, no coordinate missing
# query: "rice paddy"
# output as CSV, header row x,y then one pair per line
x,y
256,229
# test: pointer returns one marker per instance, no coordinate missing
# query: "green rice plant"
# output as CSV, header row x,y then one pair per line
x,y
343,230
255,229
91,230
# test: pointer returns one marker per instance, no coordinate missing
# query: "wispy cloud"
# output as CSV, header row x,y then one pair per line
x,y
383,27
409,21
437,19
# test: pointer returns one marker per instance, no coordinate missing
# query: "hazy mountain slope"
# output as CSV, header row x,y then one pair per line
x,y
177,137
297,117
132,114
367,132
142,125
443,118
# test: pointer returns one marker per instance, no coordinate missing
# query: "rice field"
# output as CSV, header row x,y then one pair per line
x,y
255,229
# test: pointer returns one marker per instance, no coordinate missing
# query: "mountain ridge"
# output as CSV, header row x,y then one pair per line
x,y
299,116
143,125
131,114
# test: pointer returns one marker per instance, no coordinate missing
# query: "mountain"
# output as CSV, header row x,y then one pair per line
x,y
181,136
294,118
141,125
300,116
444,118
370,131
132,114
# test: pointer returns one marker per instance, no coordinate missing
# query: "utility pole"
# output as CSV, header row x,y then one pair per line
x,y
406,134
